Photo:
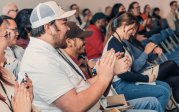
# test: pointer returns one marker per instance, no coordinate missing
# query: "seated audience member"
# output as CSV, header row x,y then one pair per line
x,y
77,18
156,18
13,53
142,58
146,15
107,12
134,8
10,10
22,94
94,43
68,89
116,9
87,15
173,15
24,27
121,29
156,14
75,45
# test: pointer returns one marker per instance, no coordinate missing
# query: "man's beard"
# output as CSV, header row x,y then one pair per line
x,y
103,29
60,43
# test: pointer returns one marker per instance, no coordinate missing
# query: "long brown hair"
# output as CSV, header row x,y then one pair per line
x,y
122,17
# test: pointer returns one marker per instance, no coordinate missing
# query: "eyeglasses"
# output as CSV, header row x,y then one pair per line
x,y
176,5
14,30
138,7
6,35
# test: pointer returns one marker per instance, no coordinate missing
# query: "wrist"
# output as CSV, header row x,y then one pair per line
x,y
104,80
155,47
146,52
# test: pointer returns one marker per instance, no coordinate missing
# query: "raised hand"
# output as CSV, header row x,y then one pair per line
x,y
29,86
105,66
21,101
158,51
149,47
122,65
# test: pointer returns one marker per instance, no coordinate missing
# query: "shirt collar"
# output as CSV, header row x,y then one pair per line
x,y
35,42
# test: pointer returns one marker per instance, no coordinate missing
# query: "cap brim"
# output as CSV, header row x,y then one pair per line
x,y
85,34
67,14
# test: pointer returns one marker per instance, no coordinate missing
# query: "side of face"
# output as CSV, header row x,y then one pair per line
x,y
129,30
174,6
157,12
76,7
58,31
148,8
136,9
102,23
13,11
13,32
108,11
76,45
88,15
3,41
122,9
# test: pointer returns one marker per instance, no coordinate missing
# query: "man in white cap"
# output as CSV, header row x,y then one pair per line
x,y
59,85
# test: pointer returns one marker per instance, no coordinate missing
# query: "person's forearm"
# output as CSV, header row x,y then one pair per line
x,y
93,79
84,100
139,62
91,96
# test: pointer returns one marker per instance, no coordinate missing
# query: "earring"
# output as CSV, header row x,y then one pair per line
x,y
124,29
70,45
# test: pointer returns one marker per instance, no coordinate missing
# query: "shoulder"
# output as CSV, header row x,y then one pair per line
x,y
115,44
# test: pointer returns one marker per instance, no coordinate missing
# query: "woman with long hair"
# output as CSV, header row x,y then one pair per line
x,y
116,9
129,83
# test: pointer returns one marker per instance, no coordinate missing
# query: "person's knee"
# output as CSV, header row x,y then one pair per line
x,y
152,101
171,63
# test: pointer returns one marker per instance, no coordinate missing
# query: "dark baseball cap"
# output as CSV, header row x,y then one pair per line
x,y
76,32
98,16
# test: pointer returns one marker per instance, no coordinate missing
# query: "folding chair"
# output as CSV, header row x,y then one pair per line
x,y
172,34
165,36
157,39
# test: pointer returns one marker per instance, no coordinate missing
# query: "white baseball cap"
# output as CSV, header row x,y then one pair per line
x,y
46,12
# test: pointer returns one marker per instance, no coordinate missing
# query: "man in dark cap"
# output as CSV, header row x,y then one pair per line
x,y
75,46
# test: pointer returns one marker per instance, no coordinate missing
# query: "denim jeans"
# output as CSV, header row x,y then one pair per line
x,y
132,91
145,104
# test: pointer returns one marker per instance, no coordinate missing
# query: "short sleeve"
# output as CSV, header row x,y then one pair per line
x,y
50,81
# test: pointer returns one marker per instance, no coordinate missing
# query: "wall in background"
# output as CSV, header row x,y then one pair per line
x,y
94,5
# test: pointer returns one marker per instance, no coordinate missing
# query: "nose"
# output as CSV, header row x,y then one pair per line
x,y
17,33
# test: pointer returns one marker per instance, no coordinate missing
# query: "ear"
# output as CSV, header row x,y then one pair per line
x,y
98,21
47,29
69,42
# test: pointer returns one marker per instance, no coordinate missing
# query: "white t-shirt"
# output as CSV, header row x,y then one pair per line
x,y
52,77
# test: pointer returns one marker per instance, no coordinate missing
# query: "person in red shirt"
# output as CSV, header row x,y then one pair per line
x,y
94,43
